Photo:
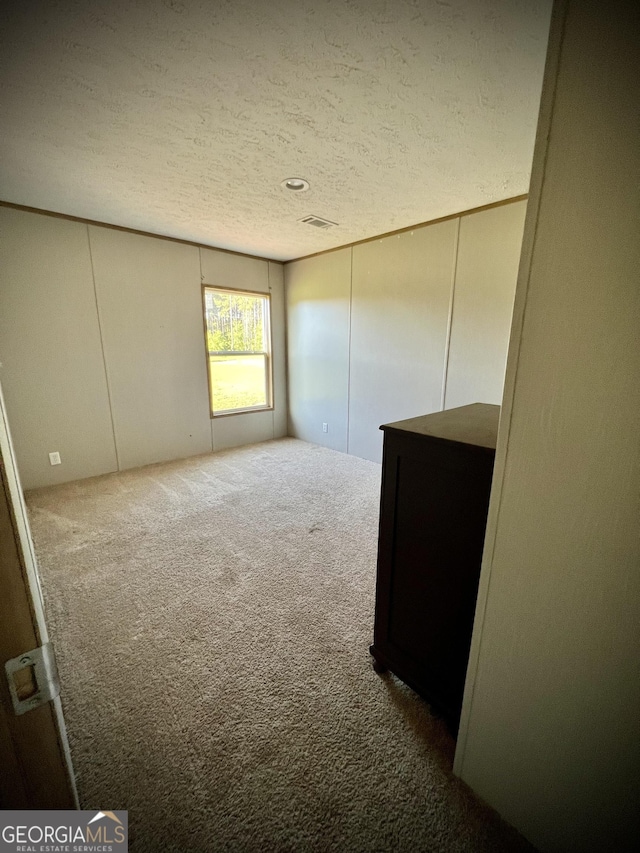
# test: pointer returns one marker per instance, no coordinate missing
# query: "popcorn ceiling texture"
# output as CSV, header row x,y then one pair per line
x,y
182,118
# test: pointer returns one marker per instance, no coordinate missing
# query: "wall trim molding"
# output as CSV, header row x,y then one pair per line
x,y
124,228
462,213
99,224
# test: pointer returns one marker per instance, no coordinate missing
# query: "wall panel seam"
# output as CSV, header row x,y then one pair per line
x,y
447,345
272,356
349,347
208,389
104,358
285,330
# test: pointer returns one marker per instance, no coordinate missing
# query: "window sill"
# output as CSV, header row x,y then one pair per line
x,y
232,412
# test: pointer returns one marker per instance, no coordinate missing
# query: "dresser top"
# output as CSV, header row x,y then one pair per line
x,y
476,424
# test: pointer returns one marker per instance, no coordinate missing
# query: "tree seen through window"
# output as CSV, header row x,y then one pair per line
x,y
238,350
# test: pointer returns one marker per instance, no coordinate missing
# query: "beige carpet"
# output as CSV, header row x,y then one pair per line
x,y
212,619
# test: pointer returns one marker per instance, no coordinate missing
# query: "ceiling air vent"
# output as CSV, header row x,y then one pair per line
x,y
317,221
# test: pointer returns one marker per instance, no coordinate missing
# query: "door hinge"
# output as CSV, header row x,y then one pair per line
x,y
33,678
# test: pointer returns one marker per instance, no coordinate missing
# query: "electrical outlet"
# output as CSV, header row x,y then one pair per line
x,y
325,427
54,458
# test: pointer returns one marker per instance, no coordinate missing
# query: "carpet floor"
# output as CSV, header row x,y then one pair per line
x,y
212,619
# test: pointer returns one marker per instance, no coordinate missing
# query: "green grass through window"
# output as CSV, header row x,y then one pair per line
x,y
237,382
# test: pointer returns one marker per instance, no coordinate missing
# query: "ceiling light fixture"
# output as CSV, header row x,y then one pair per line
x,y
298,185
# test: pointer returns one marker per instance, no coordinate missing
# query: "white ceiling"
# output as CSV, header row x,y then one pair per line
x,y
182,117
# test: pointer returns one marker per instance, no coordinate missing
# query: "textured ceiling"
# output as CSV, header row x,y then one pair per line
x,y
182,117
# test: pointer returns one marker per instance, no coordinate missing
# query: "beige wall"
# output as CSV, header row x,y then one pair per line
x,y
550,734
400,306
486,273
101,340
279,350
150,306
52,371
399,326
318,298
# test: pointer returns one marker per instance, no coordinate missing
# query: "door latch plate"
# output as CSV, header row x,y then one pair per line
x,y
33,678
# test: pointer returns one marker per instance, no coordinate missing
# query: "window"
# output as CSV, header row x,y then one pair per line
x,y
238,341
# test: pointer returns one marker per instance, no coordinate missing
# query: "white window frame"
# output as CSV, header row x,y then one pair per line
x,y
267,354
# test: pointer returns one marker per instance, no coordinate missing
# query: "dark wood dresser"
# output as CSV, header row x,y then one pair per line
x,y
436,480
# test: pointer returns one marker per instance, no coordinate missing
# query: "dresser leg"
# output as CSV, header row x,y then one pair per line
x,y
378,667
